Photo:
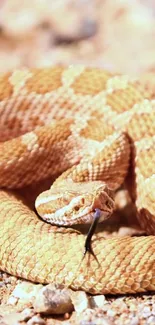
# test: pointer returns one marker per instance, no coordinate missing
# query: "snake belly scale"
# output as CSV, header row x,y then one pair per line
x,y
87,129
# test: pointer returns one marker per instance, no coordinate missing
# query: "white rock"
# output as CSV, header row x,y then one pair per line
x,y
24,293
53,299
26,314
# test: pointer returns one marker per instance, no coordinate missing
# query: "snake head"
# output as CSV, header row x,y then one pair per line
x,y
70,203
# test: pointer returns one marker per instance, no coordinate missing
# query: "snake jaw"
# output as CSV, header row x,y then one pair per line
x,y
74,203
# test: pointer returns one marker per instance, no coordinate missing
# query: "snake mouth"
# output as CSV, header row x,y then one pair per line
x,y
89,217
86,216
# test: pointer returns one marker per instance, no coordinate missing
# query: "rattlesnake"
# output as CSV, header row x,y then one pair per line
x,y
87,128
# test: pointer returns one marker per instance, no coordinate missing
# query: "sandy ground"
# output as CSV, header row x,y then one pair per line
x,y
116,35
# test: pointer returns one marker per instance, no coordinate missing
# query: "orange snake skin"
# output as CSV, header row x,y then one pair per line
x,y
86,128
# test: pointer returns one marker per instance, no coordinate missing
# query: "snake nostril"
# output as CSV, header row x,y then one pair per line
x,y
107,203
83,200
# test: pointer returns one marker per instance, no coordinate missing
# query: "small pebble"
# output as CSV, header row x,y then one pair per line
x,y
36,320
98,301
111,313
151,320
146,312
80,300
134,321
26,314
2,284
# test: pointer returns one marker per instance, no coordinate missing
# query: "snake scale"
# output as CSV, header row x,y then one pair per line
x,y
88,129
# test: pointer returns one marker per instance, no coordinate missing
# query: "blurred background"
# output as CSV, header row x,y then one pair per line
x,y
118,35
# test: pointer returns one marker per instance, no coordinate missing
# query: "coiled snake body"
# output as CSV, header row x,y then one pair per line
x,y
91,128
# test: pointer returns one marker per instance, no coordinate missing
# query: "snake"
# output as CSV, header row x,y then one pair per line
x,y
87,131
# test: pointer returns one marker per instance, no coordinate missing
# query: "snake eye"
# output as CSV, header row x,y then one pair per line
x,y
109,204
76,208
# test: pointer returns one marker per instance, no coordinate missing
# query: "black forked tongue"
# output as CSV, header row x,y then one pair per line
x,y
91,231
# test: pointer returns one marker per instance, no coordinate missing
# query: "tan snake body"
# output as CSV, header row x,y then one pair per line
x,y
103,128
